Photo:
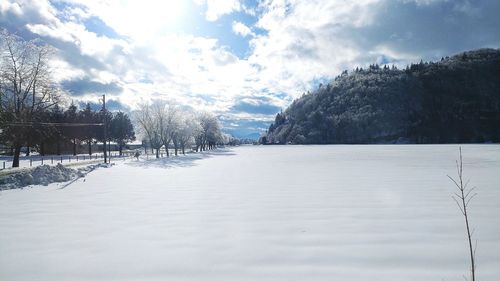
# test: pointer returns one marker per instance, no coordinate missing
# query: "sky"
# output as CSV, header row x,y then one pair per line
x,y
244,60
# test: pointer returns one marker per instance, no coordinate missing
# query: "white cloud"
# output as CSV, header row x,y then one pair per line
x,y
304,42
62,70
240,28
7,6
218,8
138,20
292,44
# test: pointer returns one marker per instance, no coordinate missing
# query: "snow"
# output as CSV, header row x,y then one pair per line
x,y
378,212
44,175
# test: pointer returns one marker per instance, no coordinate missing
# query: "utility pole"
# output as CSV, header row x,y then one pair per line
x,y
104,125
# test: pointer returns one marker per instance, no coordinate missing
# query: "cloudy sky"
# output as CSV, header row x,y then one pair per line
x,y
243,59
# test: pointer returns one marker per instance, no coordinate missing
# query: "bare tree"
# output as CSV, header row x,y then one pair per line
x,y
26,90
463,198
187,130
149,127
210,133
166,114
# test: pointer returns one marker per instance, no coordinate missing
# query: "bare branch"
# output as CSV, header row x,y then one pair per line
x,y
470,190
455,182
468,201
459,207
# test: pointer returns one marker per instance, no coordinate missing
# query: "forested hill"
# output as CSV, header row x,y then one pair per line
x,y
454,100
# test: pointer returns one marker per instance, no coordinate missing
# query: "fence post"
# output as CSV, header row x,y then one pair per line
x,y
69,159
42,160
77,158
4,165
31,162
52,160
61,159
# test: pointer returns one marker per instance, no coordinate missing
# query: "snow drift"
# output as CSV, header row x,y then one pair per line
x,y
45,175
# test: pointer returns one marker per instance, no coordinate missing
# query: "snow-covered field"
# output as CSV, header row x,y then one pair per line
x,y
259,213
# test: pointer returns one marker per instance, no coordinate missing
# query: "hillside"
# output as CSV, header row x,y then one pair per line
x,y
454,100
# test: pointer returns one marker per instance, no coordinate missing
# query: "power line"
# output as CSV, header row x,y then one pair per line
x,y
27,124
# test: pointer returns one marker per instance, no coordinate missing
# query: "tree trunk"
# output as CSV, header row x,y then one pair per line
x,y
120,148
157,153
90,148
183,153
42,148
17,152
175,148
28,150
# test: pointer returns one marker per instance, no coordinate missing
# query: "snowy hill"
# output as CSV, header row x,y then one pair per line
x,y
454,100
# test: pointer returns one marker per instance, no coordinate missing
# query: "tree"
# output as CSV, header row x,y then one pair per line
x,y
25,89
210,133
188,129
57,116
148,126
41,133
105,117
122,130
89,132
166,115
463,198
72,133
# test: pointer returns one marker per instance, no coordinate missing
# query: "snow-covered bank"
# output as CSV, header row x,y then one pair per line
x,y
44,175
259,213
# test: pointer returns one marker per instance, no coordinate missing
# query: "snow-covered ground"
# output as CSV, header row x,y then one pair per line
x,y
259,213
45,175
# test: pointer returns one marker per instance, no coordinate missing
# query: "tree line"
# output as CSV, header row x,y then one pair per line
x,y
453,100
86,126
167,124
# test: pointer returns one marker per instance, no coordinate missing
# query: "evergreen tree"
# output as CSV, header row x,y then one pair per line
x,y
121,130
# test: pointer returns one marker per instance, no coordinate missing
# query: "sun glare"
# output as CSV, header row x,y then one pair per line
x,y
143,19
156,13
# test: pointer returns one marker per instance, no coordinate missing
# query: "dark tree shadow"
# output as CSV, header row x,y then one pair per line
x,y
187,160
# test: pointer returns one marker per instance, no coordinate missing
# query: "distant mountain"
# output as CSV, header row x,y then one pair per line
x,y
454,100
244,135
252,136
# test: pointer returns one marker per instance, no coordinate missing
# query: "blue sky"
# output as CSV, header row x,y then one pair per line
x,y
244,60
